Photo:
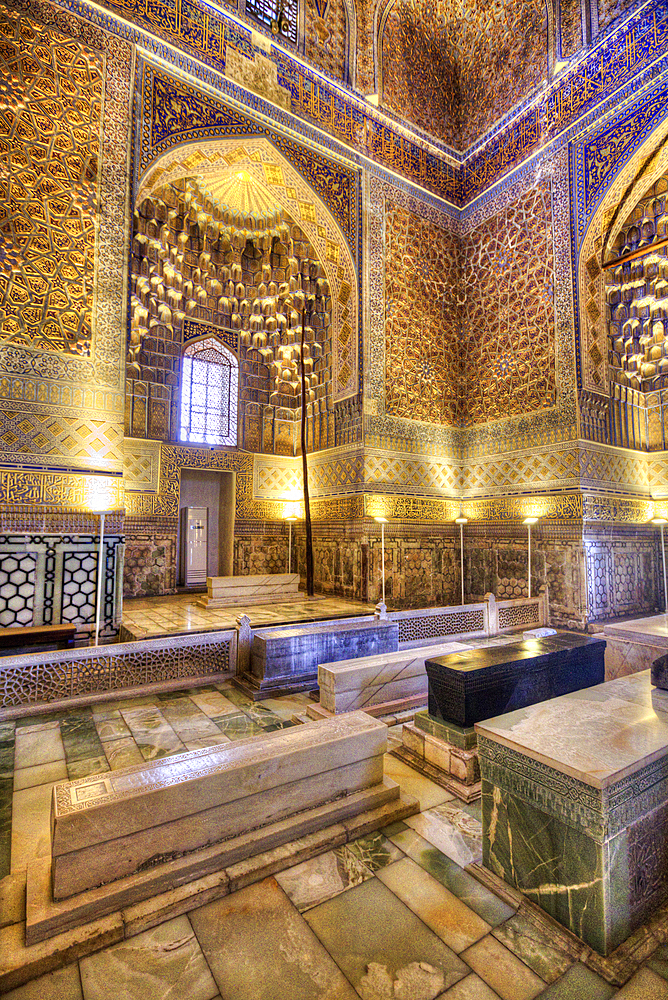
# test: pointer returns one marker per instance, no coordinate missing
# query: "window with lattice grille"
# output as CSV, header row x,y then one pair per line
x,y
209,390
279,15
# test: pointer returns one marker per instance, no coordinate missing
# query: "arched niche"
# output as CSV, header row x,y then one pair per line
x,y
304,211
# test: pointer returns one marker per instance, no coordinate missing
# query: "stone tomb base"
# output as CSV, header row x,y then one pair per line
x,y
128,835
224,591
444,752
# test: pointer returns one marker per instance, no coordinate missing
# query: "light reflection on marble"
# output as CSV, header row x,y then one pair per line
x,y
598,735
456,925
479,899
31,827
318,879
451,830
502,971
655,626
425,791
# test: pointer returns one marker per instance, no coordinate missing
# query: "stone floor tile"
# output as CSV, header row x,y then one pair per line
x,y
213,703
502,971
286,961
579,983
456,925
40,747
320,878
471,988
644,985
79,736
382,947
40,774
113,727
533,947
7,754
82,768
479,899
451,830
375,851
425,791
64,984
203,742
238,726
31,825
6,795
165,963
122,753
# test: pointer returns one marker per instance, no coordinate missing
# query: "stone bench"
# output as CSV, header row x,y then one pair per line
x,y
348,685
575,806
223,591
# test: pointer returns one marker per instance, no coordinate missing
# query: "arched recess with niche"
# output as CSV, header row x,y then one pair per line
x,y
624,384
197,275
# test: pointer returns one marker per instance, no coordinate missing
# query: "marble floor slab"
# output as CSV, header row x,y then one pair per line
x,y
470,988
39,774
533,947
318,879
452,830
31,825
579,983
164,963
446,871
394,955
63,984
502,971
286,960
213,703
38,745
445,914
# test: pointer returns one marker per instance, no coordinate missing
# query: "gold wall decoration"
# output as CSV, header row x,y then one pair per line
x,y
64,131
49,174
54,489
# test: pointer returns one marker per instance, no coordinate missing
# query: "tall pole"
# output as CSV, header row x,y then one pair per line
x,y
461,521
382,554
529,569
665,588
308,303
661,522
289,546
461,553
100,576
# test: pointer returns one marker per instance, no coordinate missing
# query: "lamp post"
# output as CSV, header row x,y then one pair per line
x,y
100,573
661,522
461,521
290,521
382,521
529,521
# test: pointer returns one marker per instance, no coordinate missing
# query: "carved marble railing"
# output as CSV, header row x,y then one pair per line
x,y
87,674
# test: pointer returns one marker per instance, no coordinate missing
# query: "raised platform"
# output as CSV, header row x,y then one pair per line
x,y
223,591
575,806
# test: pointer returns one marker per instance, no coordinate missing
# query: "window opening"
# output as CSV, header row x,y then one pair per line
x,y
209,389
278,15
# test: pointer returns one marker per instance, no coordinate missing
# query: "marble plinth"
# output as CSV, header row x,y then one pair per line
x,y
109,826
285,660
223,591
446,753
575,806
348,685
475,684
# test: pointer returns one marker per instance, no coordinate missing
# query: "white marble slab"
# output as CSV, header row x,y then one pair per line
x,y
652,630
599,735
225,590
353,684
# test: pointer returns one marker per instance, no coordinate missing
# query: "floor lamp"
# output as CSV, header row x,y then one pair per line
x,y
382,521
290,521
100,573
529,521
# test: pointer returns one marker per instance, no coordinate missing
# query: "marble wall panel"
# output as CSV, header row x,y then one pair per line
x,y
151,558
